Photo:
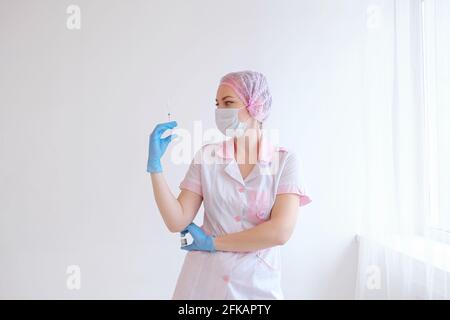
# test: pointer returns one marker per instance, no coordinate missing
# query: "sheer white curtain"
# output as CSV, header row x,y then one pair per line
x,y
404,252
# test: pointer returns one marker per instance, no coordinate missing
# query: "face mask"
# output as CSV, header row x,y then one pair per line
x,y
228,123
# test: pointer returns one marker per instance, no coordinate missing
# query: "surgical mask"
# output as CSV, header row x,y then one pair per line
x,y
227,121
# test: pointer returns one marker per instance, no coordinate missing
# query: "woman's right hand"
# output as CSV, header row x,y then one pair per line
x,y
157,146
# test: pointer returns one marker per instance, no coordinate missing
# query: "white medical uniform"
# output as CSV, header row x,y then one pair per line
x,y
233,204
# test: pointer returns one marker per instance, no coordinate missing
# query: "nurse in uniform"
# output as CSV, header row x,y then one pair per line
x,y
250,190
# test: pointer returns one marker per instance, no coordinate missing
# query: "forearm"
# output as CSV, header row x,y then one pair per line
x,y
169,207
264,235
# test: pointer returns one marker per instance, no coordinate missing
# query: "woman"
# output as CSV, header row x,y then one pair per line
x,y
250,193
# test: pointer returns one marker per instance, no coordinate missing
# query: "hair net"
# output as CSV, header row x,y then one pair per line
x,y
252,88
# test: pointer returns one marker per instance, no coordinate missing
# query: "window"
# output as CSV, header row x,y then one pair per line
x,y
436,92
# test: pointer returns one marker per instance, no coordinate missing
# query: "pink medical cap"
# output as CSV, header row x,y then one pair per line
x,y
252,88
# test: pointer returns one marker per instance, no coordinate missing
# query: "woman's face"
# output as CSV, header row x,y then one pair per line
x,y
227,98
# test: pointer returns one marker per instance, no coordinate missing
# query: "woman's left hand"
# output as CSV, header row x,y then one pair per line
x,y
202,242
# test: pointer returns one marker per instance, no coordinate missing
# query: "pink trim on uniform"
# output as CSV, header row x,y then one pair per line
x,y
192,186
290,188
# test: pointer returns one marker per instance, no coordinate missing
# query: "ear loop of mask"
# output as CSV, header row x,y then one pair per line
x,y
245,121
260,123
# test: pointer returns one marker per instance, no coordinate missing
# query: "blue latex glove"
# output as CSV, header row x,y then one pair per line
x,y
157,146
202,242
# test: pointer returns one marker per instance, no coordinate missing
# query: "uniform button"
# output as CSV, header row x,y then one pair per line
x,y
241,189
237,218
226,278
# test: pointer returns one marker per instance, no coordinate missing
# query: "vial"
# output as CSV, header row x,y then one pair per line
x,y
185,239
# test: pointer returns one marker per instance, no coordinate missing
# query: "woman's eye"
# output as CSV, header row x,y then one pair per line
x,y
227,102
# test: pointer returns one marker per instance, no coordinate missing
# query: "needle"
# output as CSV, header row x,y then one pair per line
x,y
168,109
168,115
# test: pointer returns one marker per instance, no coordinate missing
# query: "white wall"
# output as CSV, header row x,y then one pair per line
x,y
77,107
